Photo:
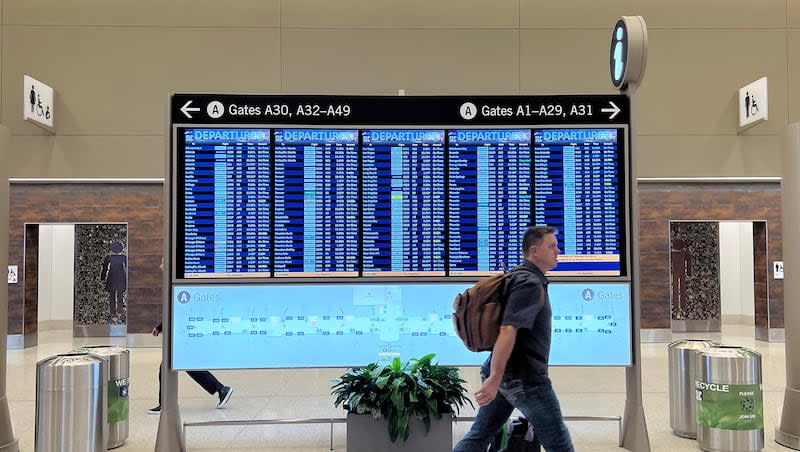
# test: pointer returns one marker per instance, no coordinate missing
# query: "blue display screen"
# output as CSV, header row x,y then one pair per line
x,y
227,194
344,325
489,199
404,202
316,202
390,202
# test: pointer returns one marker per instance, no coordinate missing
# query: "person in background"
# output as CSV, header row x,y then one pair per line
x,y
203,377
516,373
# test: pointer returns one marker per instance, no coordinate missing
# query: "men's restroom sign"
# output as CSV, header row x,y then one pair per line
x,y
753,103
38,103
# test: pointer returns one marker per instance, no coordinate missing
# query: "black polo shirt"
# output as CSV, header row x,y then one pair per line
x,y
528,311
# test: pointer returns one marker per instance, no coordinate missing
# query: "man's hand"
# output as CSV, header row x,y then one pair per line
x,y
155,331
488,391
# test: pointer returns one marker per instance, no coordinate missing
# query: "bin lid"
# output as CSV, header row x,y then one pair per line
x,y
729,351
694,344
73,358
105,350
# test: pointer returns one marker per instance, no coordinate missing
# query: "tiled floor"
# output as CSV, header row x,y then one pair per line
x,y
270,394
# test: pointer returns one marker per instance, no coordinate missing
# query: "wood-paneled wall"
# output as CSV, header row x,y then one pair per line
x,y
140,205
661,203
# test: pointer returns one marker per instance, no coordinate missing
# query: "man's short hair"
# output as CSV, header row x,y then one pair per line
x,y
533,236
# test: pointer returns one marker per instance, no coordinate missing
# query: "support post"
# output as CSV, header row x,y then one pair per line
x,y
788,433
7,441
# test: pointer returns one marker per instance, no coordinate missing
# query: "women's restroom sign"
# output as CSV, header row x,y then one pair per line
x,y
12,274
777,269
38,103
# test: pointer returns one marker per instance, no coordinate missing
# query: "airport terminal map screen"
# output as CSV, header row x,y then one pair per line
x,y
344,325
282,203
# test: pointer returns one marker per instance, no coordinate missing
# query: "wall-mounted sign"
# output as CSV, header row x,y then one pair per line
x,y
12,274
753,103
777,269
628,57
38,103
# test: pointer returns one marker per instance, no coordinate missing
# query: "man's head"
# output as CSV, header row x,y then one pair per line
x,y
540,247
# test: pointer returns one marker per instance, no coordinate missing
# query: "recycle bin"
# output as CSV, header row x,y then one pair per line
x,y
730,408
682,372
118,359
71,403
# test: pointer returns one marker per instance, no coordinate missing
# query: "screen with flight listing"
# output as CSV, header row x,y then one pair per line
x,y
300,202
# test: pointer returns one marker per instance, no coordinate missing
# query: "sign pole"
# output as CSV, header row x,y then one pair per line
x,y
627,61
634,427
170,425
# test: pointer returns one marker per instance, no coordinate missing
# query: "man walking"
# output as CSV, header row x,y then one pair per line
x,y
515,375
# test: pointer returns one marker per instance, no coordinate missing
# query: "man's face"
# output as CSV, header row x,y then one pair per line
x,y
545,254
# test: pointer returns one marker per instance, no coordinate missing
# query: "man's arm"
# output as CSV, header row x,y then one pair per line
x,y
500,354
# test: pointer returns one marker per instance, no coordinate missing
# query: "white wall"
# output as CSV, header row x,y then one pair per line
x,y
56,272
736,271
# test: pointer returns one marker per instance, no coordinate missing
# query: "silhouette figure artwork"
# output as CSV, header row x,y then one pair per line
x,y
115,275
681,260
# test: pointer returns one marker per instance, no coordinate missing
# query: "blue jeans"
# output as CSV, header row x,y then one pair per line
x,y
539,405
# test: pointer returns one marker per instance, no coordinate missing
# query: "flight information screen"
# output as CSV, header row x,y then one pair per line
x,y
316,202
403,186
489,199
392,202
226,191
578,186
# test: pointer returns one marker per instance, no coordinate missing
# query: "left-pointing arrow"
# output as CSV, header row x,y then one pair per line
x,y
186,109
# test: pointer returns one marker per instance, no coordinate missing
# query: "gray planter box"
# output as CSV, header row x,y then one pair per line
x,y
364,434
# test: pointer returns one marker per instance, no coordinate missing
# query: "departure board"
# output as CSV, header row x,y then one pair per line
x,y
392,188
489,199
226,190
577,189
316,202
403,186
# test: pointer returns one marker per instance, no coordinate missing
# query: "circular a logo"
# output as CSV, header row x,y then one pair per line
x,y
183,297
587,295
468,110
215,109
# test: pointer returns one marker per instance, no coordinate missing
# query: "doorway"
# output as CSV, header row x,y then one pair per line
x,y
81,277
714,273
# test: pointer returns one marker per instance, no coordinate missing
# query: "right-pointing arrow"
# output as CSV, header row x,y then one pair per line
x,y
614,110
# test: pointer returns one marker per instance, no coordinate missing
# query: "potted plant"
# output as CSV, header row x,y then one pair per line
x,y
406,396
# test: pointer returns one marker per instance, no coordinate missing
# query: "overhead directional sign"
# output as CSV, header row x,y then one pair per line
x,y
411,110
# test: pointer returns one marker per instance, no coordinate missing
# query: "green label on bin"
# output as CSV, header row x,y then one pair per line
x,y
118,400
729,407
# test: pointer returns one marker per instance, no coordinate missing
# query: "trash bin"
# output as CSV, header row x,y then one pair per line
x,y
730,410
682,372
118,403
71,403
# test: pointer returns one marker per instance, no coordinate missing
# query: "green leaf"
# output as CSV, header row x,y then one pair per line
x,y
400,390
